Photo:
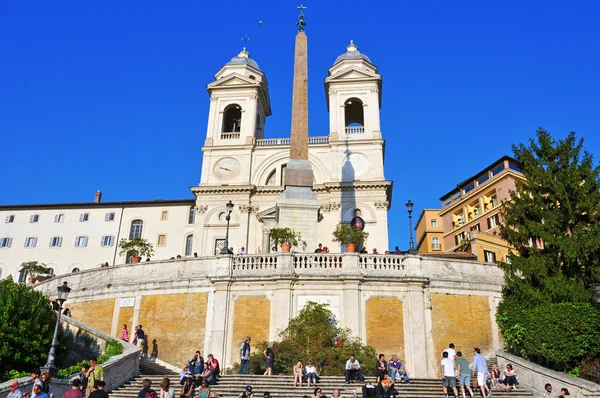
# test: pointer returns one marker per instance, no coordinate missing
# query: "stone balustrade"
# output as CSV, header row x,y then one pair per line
x,y
286,141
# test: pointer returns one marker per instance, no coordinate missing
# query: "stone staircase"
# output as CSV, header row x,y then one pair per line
x,y
230,386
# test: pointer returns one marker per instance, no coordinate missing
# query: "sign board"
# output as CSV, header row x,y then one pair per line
x,y
333,303
127,302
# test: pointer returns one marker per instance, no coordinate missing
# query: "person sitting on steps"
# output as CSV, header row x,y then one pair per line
x,y
298,373
353,370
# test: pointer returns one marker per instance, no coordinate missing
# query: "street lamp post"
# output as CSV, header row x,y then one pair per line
x,y
225,249
50,367
409,208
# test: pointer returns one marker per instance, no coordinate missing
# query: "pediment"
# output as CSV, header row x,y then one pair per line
x,y
268,214
353,74
233,80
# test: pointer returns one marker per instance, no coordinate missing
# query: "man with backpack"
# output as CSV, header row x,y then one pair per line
x,y
146,391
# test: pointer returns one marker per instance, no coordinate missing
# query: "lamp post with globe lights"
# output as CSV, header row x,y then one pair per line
x,y
63,293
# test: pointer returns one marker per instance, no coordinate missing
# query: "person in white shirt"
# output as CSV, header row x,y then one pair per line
x,y
451,352
311,373
242,251
448,374
353,370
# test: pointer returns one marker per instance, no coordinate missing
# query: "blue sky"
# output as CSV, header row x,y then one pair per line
x,y
112,95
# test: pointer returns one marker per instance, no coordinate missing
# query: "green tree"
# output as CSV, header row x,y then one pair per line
x,y
552,221
314,335
26,327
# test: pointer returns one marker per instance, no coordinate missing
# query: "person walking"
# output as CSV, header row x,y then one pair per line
x,y
245,356
140,337
448,374
269,359
480,366
465,374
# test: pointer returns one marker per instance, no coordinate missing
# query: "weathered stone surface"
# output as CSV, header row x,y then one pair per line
x,y
463,320
251,317
96,314
299,143
383,313
174,325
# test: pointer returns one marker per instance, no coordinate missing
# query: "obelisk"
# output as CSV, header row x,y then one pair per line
x,y
298,205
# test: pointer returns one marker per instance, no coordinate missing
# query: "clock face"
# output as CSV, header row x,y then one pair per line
x,y
226,168
354,166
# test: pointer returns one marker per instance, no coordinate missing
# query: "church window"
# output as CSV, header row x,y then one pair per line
x,y
188,245
354,116
192,215
271,178
135,231
232,120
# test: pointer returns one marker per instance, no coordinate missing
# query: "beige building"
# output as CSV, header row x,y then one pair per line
x,y
471,212
430,232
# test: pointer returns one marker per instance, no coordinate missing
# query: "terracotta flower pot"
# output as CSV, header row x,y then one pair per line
x,y
351,248
286,247
136,259
31,280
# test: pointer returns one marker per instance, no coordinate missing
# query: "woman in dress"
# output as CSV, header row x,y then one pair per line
x,y
269,360
166,391
298,373
125,334
204,391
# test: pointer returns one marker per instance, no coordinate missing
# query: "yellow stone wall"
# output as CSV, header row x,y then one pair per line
x,y
251,317
462,320
174,324
125,318
385,326
97,314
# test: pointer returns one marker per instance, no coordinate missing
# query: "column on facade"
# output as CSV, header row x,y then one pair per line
x,y
418,335
217,320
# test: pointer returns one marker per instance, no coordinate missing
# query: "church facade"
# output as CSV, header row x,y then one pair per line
x,y
239,165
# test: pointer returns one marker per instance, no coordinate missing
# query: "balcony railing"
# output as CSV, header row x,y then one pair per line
x,y
286,141
436,246
355,130
230,135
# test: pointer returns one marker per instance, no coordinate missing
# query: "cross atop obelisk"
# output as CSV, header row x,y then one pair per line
x,y
298,206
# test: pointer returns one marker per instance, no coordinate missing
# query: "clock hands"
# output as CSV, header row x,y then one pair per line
x,y
224,168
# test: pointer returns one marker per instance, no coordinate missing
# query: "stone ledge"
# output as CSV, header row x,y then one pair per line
x,y
535,377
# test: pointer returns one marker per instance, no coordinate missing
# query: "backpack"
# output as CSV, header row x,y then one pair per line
x,y
151,394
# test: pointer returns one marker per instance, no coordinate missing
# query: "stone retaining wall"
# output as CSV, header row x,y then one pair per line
x,y
535,377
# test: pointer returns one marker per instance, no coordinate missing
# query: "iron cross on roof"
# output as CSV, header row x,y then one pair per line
x,y
245,40
301,24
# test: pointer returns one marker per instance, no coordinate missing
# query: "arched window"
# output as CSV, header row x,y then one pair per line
x,y
232,119
354,116
271,179
22,276
188,245
136,229
75,270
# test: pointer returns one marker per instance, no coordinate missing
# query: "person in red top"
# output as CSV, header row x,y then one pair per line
x,y
74,392
213,364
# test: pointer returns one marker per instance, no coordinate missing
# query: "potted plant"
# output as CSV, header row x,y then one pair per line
x,y
349,236
34,269
286,238
136,248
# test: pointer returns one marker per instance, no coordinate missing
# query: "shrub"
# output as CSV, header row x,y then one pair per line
x,y
558,336
26,327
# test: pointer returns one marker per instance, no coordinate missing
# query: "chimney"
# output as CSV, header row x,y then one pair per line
x,y
98,197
